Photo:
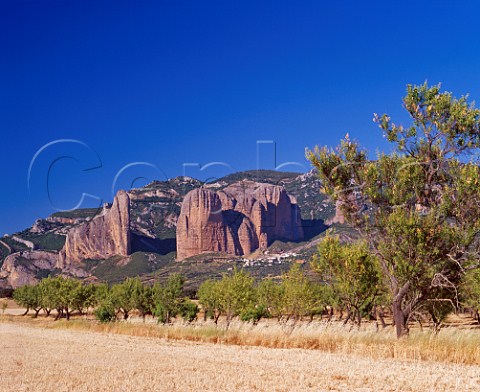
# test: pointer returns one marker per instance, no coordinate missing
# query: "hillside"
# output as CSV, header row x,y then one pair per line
x,y
154,210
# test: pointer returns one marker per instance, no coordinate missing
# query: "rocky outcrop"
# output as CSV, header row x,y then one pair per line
x,y
338,217
237,220
65,220
105,235
29,267
23,268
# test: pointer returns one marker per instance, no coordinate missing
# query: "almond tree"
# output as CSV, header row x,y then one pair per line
x,y
301,296
353,274
270,296
168,298
237,294
209,296
28,297
418,208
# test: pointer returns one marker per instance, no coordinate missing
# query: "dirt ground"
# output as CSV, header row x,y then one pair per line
x,y
39,359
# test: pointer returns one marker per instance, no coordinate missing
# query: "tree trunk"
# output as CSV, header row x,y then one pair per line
x,y
359,317
382,320
399,319
330,314
349,315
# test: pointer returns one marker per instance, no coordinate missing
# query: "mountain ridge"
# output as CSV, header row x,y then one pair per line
x,y
155,209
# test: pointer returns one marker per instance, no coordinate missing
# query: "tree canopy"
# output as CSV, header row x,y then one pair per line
x,y
418,208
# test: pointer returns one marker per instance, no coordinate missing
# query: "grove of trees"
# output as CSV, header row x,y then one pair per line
x,y
350,290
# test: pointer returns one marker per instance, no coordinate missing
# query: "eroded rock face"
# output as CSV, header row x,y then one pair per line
x,y
338,217
237,220
26,267
105,235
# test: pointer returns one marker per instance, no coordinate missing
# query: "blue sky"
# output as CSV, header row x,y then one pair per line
x,y
175,82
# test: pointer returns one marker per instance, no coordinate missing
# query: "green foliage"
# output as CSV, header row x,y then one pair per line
x,y
270,297
351,271
48,293
209,296
125,296
189,311
254,314
168,298
417,207
83,297
14,245
470,292
46,241
269,176
4,252
301,297
232,295
102,292
139,263
28,297
105,313
79,213
237,293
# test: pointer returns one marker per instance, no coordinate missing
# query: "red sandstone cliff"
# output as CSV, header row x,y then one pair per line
x,y
104,236
237,220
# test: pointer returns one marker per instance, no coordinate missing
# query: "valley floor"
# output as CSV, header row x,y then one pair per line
x,y
41,359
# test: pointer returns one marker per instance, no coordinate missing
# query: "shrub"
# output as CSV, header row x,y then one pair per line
x,y
189,311
105,313
254,314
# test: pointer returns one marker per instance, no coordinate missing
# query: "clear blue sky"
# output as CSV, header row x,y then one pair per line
x,y
174,82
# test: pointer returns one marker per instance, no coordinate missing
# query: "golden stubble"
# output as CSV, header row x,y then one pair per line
x,y
82,355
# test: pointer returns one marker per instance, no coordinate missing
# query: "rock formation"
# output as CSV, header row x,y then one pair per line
x,y
29,267
237,220
105,235
338,217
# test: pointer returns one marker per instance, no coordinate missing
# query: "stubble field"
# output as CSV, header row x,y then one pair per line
x,y
43,359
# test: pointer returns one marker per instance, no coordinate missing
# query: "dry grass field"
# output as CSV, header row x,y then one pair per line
x,y
39,358
83,355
